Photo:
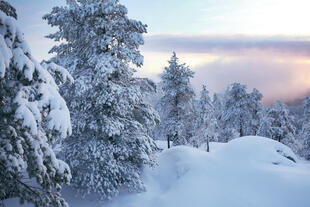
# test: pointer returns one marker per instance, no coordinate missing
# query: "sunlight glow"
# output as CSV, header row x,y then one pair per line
x,y
258,17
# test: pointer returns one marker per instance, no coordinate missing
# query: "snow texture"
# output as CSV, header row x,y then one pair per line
x,y
248,171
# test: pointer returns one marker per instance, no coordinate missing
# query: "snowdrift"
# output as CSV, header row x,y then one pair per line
x,y
246,172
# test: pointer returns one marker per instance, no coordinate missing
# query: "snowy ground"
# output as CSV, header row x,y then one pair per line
x,y
246,172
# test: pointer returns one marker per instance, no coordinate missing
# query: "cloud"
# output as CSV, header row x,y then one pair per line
x,y
228,44
276,80
279,66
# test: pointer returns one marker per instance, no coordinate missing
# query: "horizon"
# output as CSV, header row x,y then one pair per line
x,y
254,43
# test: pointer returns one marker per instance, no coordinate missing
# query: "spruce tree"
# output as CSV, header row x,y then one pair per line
x,y
175,105
32,116
8,9
218,101
256,110
305,132
110,142
206,125
241,112
277,124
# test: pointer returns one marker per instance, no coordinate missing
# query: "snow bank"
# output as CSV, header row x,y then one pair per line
x,y
249,171
162,144
246,172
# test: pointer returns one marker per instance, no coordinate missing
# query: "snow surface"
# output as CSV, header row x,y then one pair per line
x,y
245,172
162,144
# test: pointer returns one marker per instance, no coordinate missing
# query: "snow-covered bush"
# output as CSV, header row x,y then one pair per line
x,y
110,143
32,115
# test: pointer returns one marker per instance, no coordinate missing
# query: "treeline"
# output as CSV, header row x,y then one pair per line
x,y
186,120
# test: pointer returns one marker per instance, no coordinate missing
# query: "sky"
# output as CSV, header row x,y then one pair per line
x,y
264,44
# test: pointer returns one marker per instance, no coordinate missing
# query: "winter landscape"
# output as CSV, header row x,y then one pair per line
x,y
128,103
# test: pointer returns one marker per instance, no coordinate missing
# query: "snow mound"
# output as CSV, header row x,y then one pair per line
x,y
214,146
256,150
246,172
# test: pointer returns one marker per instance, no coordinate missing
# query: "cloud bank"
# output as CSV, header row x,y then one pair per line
x,y
229,44
279,66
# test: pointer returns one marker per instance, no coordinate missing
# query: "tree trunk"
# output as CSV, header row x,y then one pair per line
x,y
208,146
168,140
241,131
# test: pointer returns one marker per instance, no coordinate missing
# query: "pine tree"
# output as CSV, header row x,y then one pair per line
x,y
110,143
235,115
32,116
242,112
277,124
305,133
256,109
175,105
206,125
217,103
8,9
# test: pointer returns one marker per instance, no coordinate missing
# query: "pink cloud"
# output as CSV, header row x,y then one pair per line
x,y
279,66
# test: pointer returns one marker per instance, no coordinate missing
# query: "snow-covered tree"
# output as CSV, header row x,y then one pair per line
x,y
256,110
153,99
175,105
305,132
242,112
110,143
206,125
277,124
32,116
235,115
8,9
217,103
